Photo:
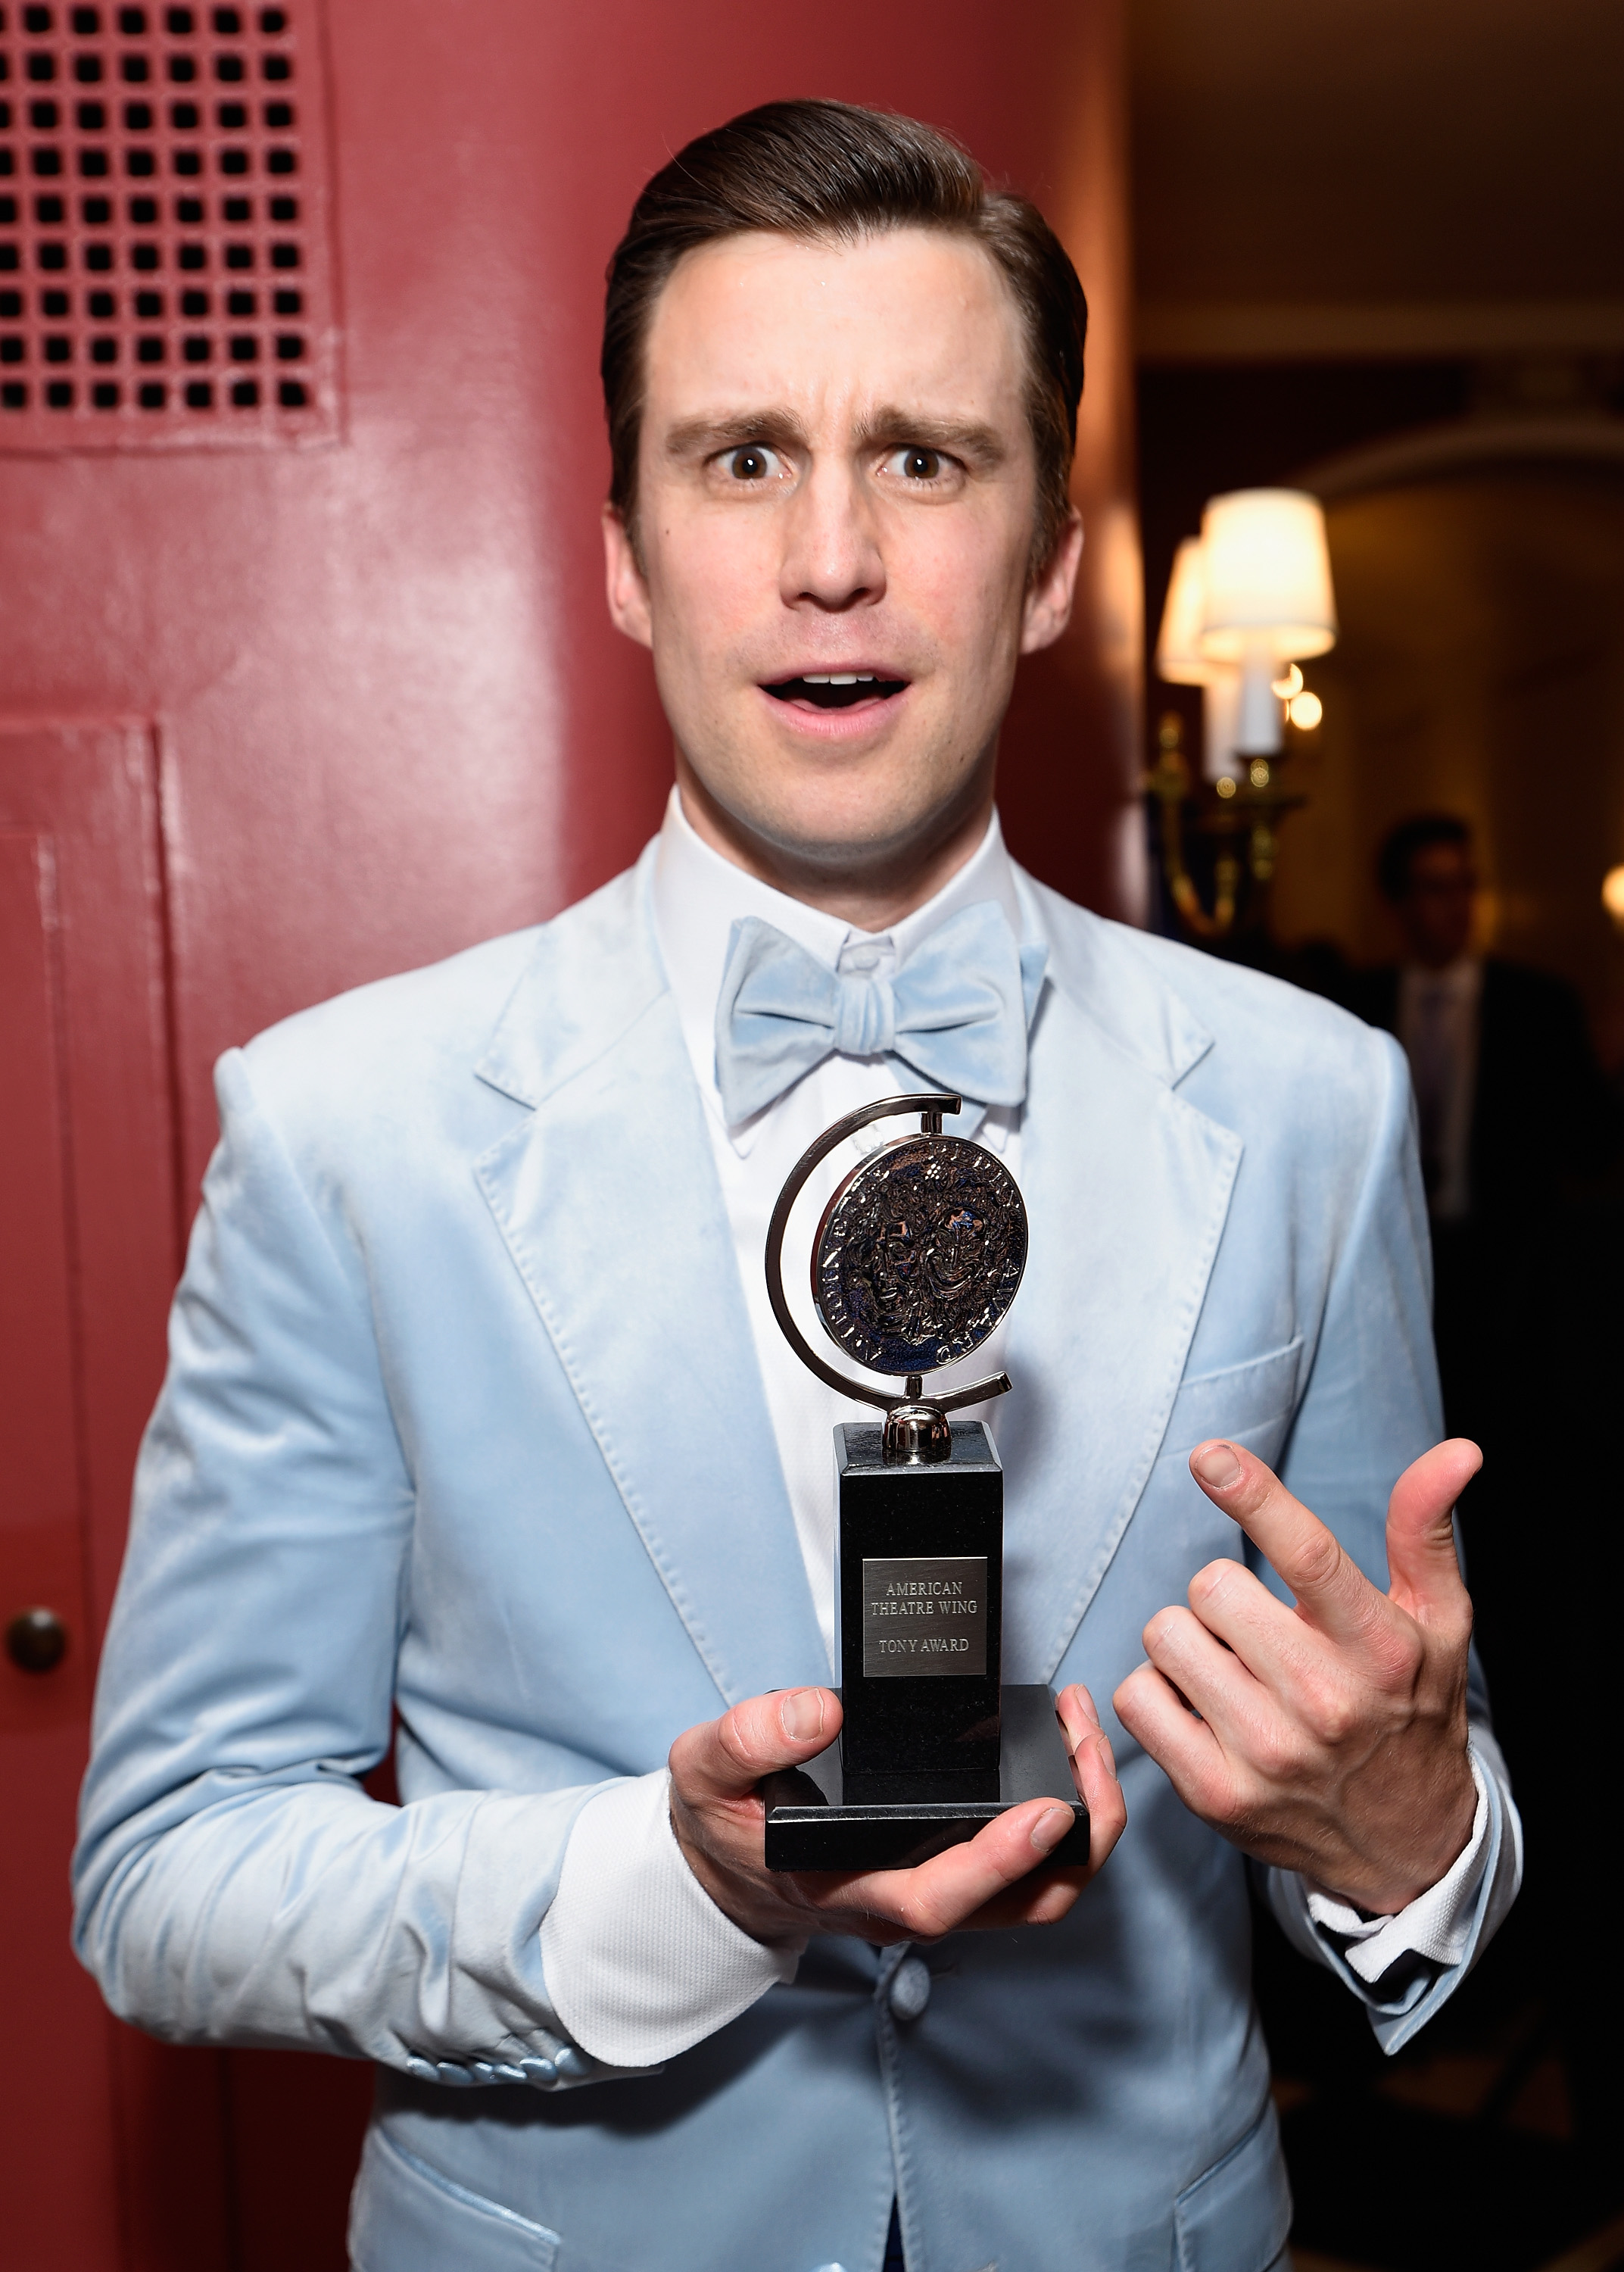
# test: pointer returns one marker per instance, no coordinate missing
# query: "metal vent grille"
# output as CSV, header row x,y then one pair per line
x,y
164,271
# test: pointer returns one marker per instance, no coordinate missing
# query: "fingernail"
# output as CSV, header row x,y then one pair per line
x,y
1085,1729
801,1715
1050,1827
1217,1466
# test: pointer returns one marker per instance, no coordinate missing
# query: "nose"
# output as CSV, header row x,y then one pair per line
x,y
832,561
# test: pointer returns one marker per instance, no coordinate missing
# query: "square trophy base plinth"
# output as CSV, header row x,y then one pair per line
x,y
819,1818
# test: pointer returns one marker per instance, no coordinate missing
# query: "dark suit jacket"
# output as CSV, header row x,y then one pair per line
x,y
1543,1115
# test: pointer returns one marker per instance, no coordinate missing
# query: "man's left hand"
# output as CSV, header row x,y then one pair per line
x,y
1329,1739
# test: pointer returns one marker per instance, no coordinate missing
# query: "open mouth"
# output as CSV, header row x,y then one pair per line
x,y
836,689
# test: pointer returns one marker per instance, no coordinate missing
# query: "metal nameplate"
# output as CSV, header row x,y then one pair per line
x,y
924,1615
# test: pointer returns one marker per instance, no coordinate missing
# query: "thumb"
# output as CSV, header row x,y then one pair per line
x,y
726,1758
1423,1566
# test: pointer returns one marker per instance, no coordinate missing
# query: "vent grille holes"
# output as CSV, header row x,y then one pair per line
x,y
164,267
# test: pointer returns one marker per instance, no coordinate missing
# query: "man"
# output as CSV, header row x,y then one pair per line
x,y
1510,1100
476,1403
1519,1130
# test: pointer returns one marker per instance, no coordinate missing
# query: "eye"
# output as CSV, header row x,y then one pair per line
x,y
916,464
751,461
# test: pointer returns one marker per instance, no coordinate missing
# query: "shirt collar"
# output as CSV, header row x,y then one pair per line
x,y
698,896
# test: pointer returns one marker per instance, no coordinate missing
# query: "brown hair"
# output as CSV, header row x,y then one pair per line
x,y
1401,844
829,170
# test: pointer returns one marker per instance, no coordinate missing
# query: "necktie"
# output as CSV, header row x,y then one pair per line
x,y
955,1011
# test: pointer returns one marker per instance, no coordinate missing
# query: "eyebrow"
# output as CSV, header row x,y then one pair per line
x,y
981,446
698,436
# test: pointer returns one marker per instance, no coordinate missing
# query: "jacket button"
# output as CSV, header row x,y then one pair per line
x,y
910,1990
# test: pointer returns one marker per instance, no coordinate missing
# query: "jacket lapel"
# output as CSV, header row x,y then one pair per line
x,y
1127,1187
608,1197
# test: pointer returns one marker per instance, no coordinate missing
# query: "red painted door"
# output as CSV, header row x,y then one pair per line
x,y
44,1708
299,458
87,1255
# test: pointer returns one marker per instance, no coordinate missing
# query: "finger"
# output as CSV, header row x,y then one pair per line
x,y
1094,1771
1275,1644
726,1758
1185,1749
1211,1678
1423,1565
932,1904
1045,1896
1043,1899
1332,1590
941,1895
1075,1709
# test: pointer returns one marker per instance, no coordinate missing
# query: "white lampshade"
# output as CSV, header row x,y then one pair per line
x,y
1268,599
1181,662
1179,656
1268,576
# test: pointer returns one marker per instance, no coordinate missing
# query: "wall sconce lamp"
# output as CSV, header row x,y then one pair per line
x,y
1249,598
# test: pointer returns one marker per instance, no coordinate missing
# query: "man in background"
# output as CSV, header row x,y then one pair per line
x,y
1511,1104
1521,1138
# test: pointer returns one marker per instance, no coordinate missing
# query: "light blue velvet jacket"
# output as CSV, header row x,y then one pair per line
x,y
463,1415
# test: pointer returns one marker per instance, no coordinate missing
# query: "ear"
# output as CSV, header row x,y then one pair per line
x,y
626,586
1047,609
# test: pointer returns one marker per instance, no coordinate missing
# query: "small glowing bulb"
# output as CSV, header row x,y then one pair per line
x,y
1304,711
1225,787
1291,683
1612,894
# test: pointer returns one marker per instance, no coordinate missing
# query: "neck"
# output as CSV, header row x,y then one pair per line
x,y
869,892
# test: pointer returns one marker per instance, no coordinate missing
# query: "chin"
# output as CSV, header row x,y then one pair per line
x,y
855,839
834,811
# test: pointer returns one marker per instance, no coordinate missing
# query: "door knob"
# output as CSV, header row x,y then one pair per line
x,y
36,1641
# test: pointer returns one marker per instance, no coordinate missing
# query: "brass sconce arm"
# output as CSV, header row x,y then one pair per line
x,y
1242,816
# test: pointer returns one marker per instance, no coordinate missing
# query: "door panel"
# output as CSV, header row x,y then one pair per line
x,y
61,2196
110,2148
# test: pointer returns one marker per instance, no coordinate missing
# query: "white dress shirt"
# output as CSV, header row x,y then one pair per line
x,y
640,1963
1438,1028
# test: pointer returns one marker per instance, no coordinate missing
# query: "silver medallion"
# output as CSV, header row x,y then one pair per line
x,y
918,1254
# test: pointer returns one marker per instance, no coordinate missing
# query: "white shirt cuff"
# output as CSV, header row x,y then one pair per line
x,y
640,1962
1437,1924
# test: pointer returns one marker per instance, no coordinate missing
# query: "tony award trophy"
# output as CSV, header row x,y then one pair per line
x,y
917,1258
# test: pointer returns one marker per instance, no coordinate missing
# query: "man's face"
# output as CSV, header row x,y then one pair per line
x,y
1436,909
836,491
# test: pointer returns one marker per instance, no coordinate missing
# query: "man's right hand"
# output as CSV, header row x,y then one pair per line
x,y
996,1878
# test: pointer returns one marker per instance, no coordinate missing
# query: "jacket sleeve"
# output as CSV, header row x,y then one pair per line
x,y
1372,1405
233,1882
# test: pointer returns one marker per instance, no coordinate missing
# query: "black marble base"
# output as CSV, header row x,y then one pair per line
x,y
821,1819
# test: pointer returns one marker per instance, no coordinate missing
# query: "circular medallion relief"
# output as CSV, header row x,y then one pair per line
x,y
918,1254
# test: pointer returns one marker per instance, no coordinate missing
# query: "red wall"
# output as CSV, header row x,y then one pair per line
x,y
394,717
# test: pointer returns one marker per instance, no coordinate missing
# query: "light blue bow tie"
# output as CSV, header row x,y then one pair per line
x,y
955,1011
